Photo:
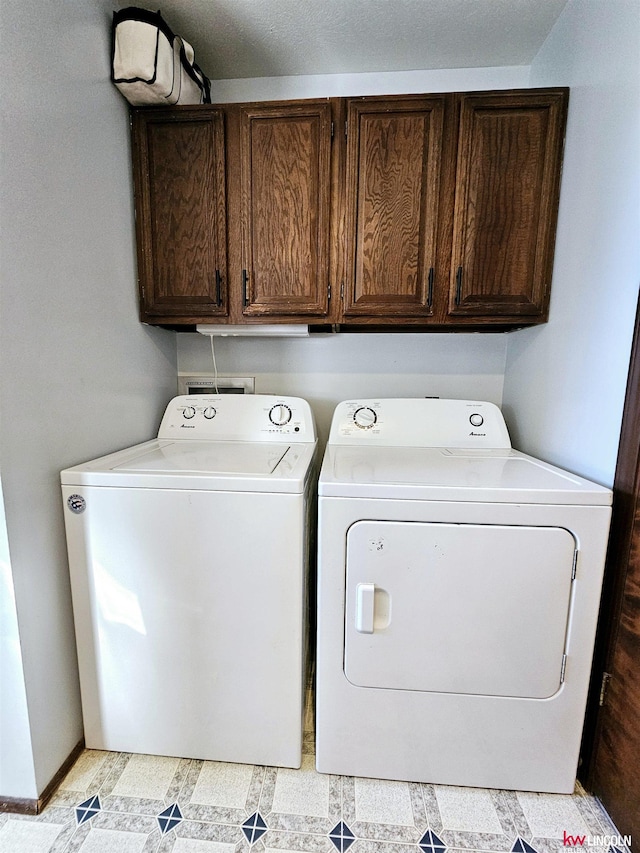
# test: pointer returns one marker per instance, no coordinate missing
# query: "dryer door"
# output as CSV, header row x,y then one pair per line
x,y
457,608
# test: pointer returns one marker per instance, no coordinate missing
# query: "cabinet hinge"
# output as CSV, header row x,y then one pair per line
x,y
606,678
574,568
332,130
346,125
342,290
563,668
329,292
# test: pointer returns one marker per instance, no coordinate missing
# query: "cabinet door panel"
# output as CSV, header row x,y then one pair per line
x,y
509,156
394,153
181,216
285,177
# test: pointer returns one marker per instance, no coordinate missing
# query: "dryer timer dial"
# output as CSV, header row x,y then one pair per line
x,y
365,418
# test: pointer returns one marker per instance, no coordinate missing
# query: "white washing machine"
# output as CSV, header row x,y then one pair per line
x,y
458,591
189,561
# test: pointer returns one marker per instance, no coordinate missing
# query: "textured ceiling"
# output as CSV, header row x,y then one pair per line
x,y
272,38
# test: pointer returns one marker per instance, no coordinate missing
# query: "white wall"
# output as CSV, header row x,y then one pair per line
x,y
565,382
357,85
327,369
79,375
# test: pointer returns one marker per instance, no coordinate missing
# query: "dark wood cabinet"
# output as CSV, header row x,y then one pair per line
x,y
393,167
434,211
234,212
451,207
285,176
506,201
181,225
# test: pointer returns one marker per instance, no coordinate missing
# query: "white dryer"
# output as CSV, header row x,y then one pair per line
x,y
458,590
189,561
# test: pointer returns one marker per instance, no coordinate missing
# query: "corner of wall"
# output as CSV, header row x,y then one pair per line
x,y
17,771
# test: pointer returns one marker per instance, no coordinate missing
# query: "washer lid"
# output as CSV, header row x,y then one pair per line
x,y
418,473
211,465
208,457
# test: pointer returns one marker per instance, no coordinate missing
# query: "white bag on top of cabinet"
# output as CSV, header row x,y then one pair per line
x,y
152,66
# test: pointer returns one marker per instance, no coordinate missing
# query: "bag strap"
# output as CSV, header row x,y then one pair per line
x,y
133,13
206,85
194,71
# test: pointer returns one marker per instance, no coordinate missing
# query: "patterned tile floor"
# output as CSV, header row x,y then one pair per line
x,y
126,803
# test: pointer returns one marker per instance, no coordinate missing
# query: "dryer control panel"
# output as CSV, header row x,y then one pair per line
x,y
231,417
419,422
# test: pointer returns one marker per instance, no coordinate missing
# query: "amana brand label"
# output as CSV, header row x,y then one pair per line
x,y
76,503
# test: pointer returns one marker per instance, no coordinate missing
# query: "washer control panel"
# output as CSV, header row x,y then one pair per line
x,y
426,422
238,417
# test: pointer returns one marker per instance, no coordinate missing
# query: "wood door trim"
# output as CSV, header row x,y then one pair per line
x,y
626,497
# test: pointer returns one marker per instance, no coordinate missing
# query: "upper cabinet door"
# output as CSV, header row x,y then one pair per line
x,y
285,176
507,187
179,172
394,156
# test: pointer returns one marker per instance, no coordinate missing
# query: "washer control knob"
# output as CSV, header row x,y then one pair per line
x,y
476,420
280,414
364,417
209,413
188,412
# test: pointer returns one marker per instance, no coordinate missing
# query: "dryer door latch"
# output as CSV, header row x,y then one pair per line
x,y
365,607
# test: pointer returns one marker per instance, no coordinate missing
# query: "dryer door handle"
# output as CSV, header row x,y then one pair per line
x,y
365,607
